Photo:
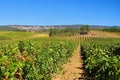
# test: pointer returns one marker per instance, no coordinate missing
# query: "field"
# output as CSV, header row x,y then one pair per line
x,y
36,56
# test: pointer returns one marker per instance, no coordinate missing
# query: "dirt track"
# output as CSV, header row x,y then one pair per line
x,y
73,70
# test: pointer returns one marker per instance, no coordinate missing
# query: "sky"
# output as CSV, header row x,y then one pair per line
x,y
60,12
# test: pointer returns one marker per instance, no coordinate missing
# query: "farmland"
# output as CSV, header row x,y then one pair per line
x,y
32,55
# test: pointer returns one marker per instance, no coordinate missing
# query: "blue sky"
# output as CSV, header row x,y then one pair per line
x,y
55,12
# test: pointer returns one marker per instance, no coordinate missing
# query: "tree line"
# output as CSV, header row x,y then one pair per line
x,y
69,31
112,29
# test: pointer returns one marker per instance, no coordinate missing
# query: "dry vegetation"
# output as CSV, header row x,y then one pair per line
x,y
102,34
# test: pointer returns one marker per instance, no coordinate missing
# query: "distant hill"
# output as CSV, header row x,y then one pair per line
x,y
8,28
45,27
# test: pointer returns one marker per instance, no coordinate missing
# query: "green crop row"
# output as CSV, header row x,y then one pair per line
x,y
33,60
102,59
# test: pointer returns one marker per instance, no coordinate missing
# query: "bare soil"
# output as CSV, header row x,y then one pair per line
x,y
73,70
102,34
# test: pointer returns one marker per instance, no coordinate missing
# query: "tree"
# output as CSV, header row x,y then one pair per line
x,y
52,32
84,29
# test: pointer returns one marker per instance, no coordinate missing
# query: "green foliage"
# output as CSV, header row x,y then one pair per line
x,y
33,60
113,29
102,59
14,35
63,32
84,28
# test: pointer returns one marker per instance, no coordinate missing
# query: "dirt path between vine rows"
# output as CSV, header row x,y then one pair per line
x,y
73,69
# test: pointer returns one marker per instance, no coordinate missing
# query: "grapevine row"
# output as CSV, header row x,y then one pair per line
x,y
102,58
33,60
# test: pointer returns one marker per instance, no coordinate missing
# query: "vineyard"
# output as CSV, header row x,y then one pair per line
x,y
102,58
29,60
35,58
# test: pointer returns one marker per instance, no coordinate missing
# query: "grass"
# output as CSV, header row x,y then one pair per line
x,y
4,35
14,36
7,35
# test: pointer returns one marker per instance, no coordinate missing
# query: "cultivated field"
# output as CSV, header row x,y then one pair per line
x,y
35,56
